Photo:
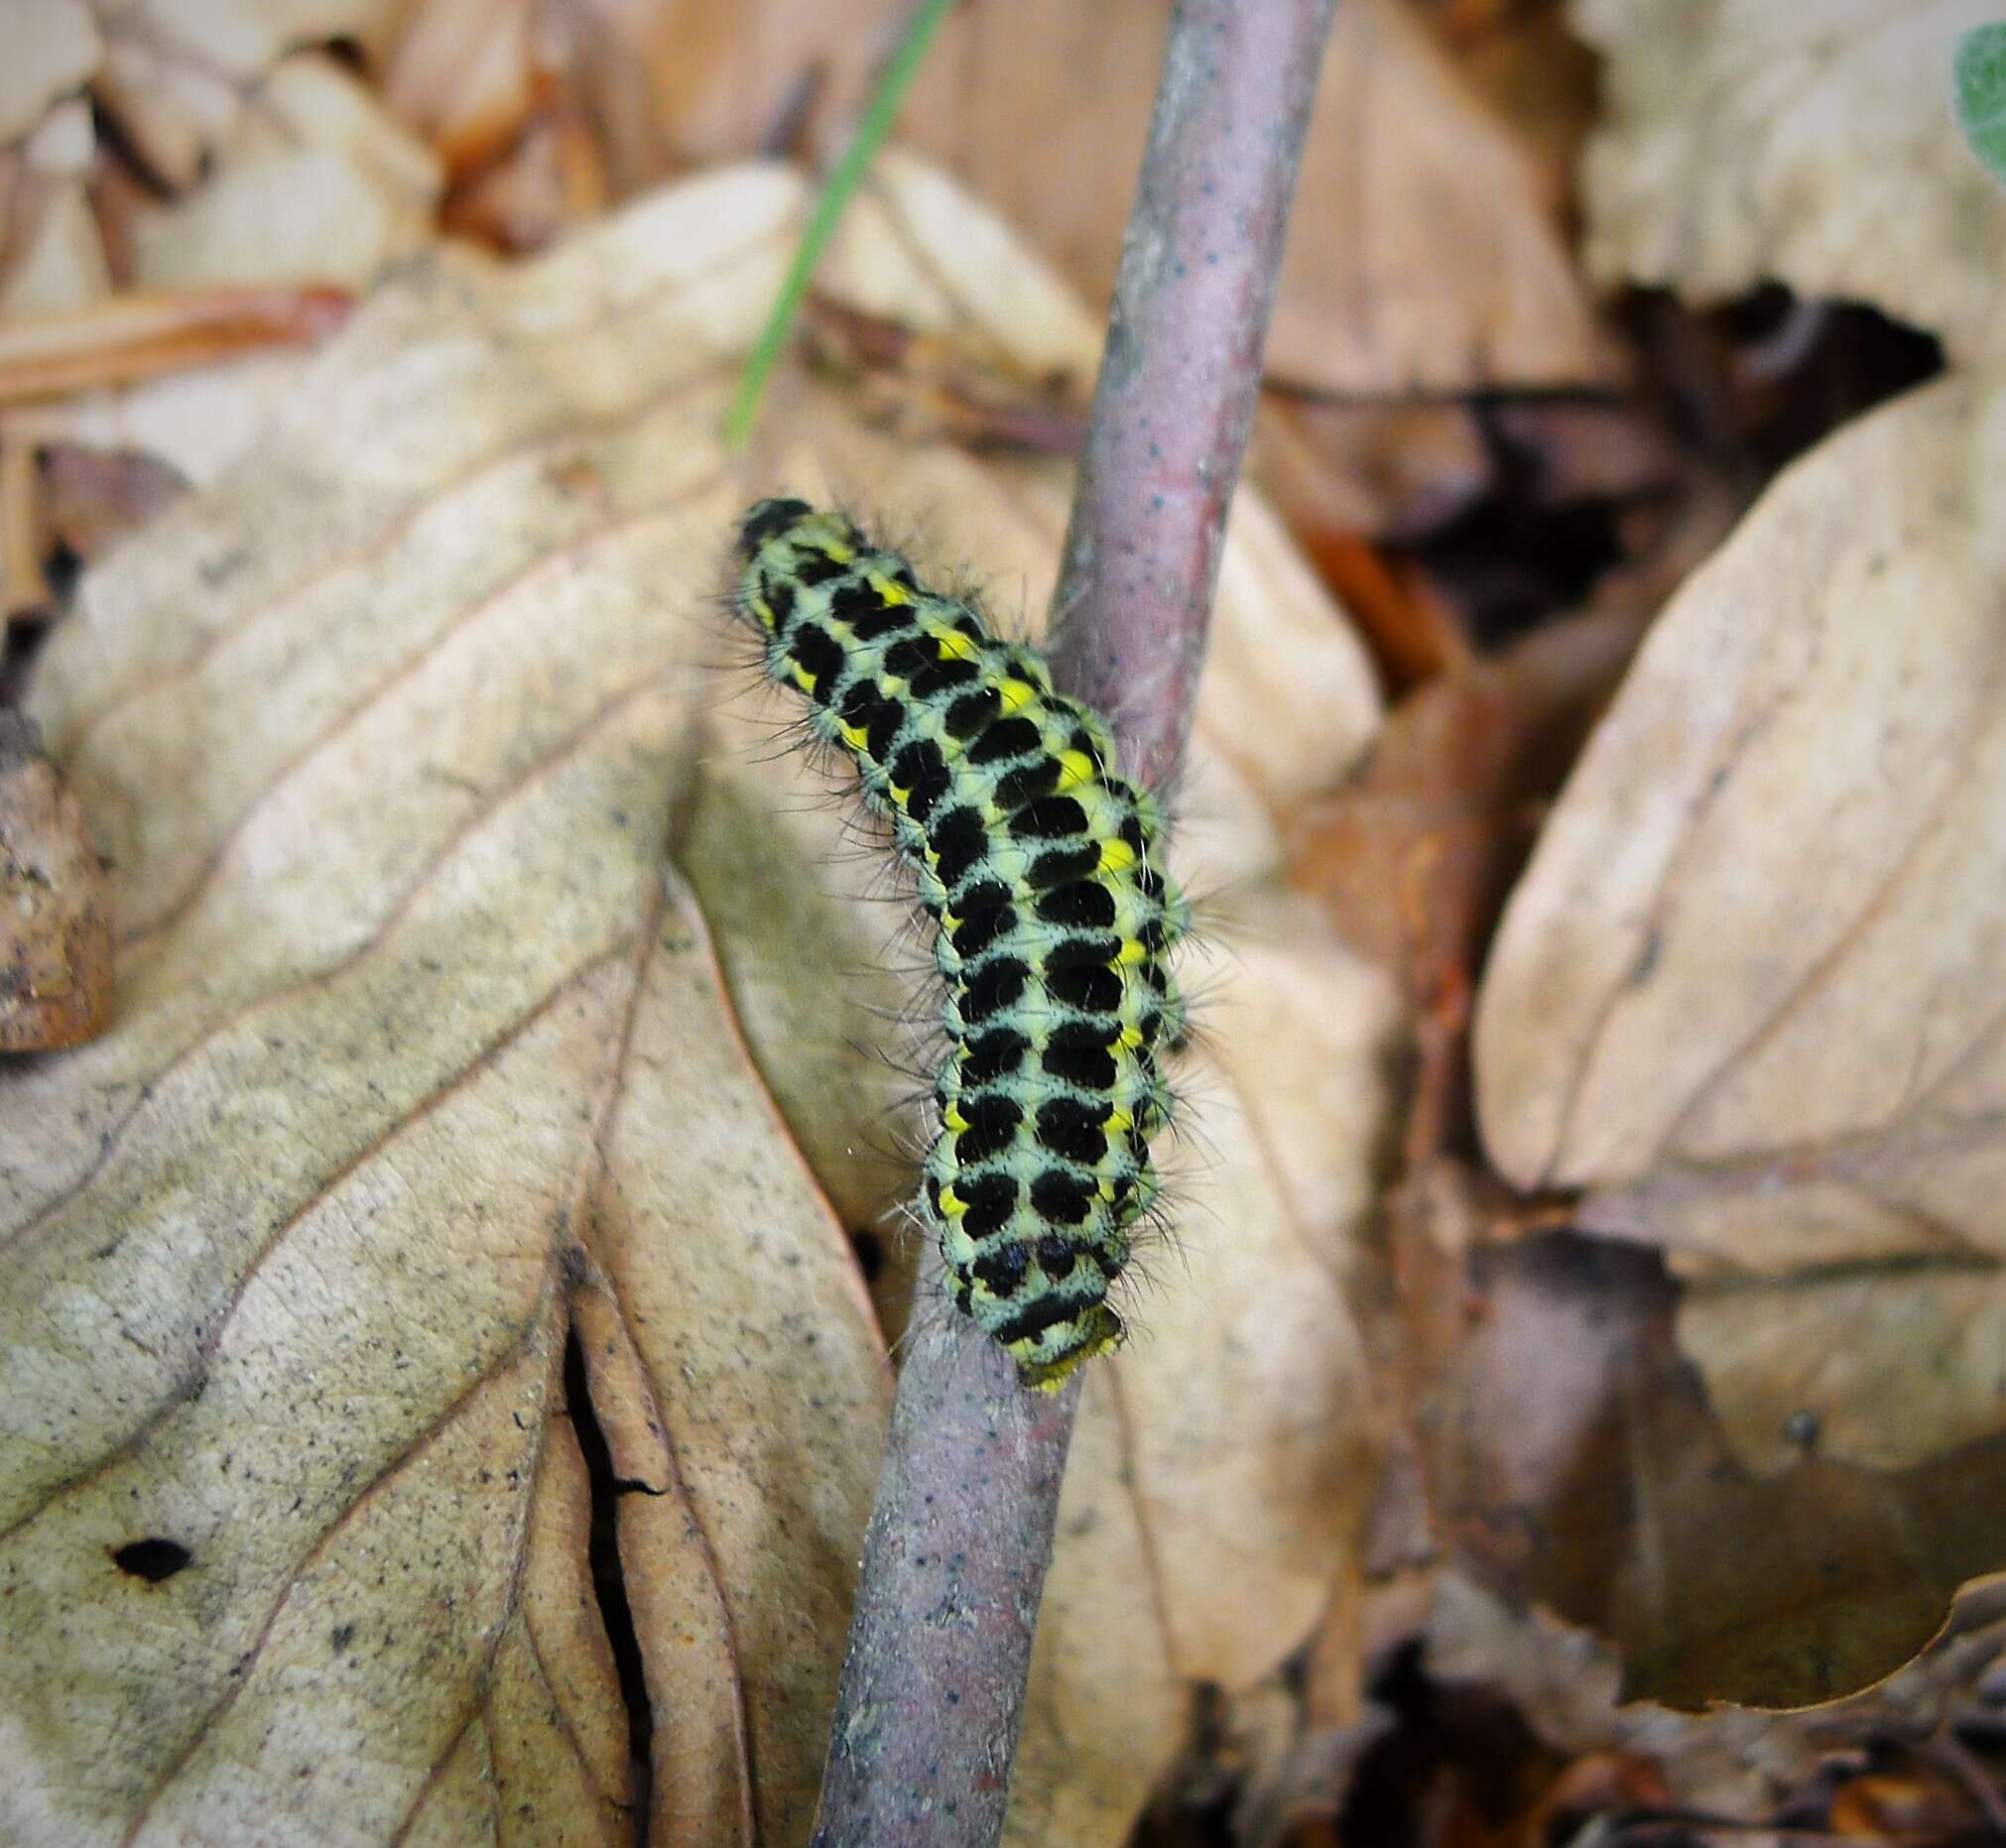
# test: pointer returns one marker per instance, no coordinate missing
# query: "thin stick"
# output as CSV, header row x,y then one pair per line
x,y
931,1696
843,181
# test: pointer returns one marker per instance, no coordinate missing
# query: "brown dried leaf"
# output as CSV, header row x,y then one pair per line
x,y
1393,471
1572,1462
1521,57
551,180
1732,1762
463,77
1425,256
1414,858
1425,253
54,904
1811,143
427,1062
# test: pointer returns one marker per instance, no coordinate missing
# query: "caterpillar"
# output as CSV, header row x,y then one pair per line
x,y
1040,868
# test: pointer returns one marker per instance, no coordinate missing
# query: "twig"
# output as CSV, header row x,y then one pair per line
x,y
931,1696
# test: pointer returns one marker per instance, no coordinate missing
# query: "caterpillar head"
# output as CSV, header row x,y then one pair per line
x,y
763,518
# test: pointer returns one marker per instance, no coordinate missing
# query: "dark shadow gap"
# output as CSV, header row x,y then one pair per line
x,y
609,1584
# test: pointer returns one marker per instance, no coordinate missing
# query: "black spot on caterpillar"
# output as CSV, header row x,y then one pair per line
x,y
1041,867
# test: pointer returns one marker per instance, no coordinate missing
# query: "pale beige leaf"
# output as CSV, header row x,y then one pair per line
x,y
199,423
49,55
314,184
54,259
1812,143
409,993
64,142
398,736
175,74
880,261
1747,991
1759,919
1885,1368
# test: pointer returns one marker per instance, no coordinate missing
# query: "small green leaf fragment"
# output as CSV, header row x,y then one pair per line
x,y
1978,77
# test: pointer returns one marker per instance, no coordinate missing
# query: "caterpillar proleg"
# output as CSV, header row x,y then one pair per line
x,y
1040,868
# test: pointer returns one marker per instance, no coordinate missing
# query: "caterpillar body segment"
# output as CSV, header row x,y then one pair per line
x,y
1042,869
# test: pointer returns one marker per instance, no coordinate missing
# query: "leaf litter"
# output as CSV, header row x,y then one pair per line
x,y
1771,1393
441,1046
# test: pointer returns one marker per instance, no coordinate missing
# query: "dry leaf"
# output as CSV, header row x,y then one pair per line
x,y
199,423
1745,996
1572,1460
175,74
1756,941
1425,252
49,57
96,499
426,1062
1394,470
314,184
551,180
1421,256
1811,143
1731,1763
1521,57
1414,858
136,336
1746,991
54,904
463,77
51,254
1424,256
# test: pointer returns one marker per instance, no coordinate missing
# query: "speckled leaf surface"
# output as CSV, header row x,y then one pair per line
x,y
432,1172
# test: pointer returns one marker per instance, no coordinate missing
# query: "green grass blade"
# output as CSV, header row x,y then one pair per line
x,y
843,181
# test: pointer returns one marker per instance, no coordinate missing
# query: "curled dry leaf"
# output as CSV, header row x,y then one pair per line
x,y
1732,1762
1572,1462
1746,994
430,1066
54,904
1811,143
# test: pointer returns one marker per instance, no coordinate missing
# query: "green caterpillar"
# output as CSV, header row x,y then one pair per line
x,y
1042,870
